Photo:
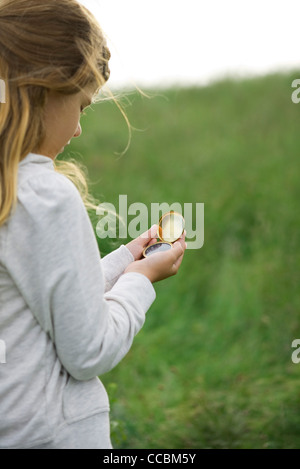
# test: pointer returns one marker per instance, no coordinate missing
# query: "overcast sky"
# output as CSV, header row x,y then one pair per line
x,y
163,42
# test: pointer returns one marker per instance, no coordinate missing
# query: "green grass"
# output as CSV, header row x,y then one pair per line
x,y
212,366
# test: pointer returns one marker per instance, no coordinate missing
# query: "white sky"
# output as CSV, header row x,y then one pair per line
x,y
163,42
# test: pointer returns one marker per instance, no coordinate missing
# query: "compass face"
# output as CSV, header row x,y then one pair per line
x,y
157,247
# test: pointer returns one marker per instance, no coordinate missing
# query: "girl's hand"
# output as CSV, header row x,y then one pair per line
x,y
137,246
160,266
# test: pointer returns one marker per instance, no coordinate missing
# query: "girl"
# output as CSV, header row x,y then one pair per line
x,y
66,315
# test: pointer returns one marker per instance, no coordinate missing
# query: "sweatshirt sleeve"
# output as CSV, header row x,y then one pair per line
x,y
114,264
53,257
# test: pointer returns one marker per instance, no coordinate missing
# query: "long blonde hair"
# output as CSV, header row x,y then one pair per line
x,y
45,45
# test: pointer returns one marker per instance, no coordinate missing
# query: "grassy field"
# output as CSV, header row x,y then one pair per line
x,y
212,366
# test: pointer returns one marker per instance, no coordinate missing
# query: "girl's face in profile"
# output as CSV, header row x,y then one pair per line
x,y
62,119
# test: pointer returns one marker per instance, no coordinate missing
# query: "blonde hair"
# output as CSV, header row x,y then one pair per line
x,y
45,45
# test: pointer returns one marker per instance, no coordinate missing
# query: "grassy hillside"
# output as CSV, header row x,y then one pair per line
x,y
212,366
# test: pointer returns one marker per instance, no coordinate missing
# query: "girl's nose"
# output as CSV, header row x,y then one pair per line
x,y
78,131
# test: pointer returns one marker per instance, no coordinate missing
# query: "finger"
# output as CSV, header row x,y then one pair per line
x,y
180,242
153,241
177,250
149,235
178,262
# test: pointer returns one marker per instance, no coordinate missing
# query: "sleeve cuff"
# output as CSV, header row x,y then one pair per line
x,y
114,265
140,286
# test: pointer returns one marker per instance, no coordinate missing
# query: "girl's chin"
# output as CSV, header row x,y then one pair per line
x,y
63,148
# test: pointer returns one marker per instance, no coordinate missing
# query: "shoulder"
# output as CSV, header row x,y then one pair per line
x,y
47,181
49,189
48,212
46,203
49,219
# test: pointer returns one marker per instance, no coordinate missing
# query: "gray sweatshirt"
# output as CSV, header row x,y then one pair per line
x,y
66,315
